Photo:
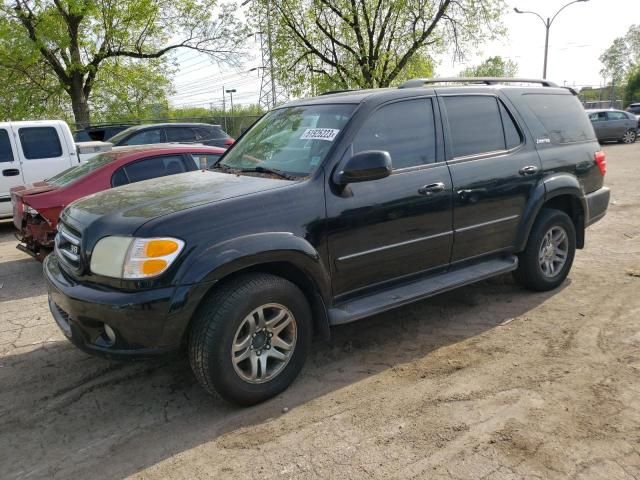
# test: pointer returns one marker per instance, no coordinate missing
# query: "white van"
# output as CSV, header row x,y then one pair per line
x,y
32,151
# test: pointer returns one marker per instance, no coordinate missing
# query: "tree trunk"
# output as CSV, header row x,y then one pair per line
x,y
80,105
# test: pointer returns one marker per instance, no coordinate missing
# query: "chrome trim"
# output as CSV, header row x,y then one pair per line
x,y
69,255
486,224
394,245
70,238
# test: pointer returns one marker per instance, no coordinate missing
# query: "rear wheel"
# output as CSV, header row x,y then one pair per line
x,y
250,338
629,137
547,259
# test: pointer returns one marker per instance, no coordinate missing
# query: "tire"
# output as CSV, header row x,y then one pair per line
x,y
629,137
225,320
539,267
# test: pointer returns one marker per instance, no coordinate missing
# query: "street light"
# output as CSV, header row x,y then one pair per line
x,y
547,25
231,91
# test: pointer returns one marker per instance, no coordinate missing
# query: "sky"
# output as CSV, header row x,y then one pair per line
x,y
578,36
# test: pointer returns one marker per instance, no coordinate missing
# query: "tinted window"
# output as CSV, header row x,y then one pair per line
x,y
616,116
562,116
209,158
6,154
153,135
474,125
180,134
154,167
404,129
512,136
211,133
119,178
598,116
40,142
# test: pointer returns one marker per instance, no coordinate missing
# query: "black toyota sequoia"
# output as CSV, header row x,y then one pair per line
x,y
326,211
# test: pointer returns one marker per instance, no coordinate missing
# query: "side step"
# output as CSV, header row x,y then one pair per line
x,y
382,301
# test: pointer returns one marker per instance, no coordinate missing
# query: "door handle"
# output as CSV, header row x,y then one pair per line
x,y
529,170
10,172
431,188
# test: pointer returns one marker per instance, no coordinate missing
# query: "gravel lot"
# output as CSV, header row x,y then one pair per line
x,y
489,381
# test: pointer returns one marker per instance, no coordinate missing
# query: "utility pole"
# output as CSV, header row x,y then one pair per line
x,y
224,110
270,46
547,25
231,92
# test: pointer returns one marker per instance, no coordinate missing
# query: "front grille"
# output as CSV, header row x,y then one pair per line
x,y
67,246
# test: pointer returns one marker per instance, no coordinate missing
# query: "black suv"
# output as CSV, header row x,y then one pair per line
x,y
211,135
326,211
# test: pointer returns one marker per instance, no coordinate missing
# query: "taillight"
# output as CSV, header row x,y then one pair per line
x,y
601,161
229,141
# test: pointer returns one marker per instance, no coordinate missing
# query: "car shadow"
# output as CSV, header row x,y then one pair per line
x,y
67,413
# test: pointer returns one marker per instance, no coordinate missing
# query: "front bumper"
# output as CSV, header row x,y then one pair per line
x,y
138,318
597,205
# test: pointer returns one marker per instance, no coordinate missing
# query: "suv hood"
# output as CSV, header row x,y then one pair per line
x,y
132,205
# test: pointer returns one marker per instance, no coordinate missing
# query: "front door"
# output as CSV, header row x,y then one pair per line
x,y
42,152
493,171
387,229
10,171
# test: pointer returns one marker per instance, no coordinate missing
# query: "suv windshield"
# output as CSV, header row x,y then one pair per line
x,y
74,173
291,140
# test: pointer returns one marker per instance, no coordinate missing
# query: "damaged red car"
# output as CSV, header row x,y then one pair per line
x,y
36,207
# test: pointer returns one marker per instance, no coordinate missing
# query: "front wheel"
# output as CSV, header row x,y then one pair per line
x,y
629,137
547,259
250,338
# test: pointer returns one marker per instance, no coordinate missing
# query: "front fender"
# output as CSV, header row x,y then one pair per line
x,y
222,259
548,188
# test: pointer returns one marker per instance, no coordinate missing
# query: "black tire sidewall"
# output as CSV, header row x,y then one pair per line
x,y
529,272
222,373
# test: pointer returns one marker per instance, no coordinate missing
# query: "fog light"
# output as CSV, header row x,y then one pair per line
x,y
111,335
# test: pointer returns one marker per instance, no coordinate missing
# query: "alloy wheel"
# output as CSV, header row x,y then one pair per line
x,y
553,251
629,136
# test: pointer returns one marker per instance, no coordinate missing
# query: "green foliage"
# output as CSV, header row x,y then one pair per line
x,y
632,90
325,45
622,55
70,42
492,67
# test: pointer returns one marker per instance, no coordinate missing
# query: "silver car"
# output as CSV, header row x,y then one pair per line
x,y
614,125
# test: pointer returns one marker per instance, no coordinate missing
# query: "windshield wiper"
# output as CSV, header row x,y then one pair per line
x,y
273,171
222,166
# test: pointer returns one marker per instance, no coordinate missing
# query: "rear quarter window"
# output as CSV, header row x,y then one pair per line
x,y
40,142
562,116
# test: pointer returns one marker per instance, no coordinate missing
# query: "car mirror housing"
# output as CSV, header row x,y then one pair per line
x,y
365,166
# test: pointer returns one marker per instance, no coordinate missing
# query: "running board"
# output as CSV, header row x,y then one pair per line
x,y
407,293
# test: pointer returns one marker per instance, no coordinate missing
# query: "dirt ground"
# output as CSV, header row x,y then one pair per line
x,y
489,382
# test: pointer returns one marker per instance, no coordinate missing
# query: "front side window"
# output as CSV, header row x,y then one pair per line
x,y
293,140
598,117
6,154
146,137
475,125
404,129
149,168
72,174
209,159
616,116
180,134
40,142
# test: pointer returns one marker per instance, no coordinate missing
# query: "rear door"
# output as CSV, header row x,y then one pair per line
x,y
493,169
10,168
43,151
618,124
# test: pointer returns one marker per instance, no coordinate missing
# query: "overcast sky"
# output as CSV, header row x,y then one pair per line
x,y
578,36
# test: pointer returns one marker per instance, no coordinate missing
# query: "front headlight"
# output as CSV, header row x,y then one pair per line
x,y
134,258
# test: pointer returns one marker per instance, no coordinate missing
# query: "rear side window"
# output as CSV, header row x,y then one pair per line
x,y
210,133
180,134
154,135
404,129
40,142
512,136
148,168
562,116
475,125
616,116
6,154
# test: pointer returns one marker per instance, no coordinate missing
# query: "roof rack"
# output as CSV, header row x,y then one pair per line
x,y
331,92
419,82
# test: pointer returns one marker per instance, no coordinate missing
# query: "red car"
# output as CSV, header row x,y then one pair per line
x,y
36,207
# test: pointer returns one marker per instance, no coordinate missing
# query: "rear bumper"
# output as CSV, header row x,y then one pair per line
x,y
138,318
597,205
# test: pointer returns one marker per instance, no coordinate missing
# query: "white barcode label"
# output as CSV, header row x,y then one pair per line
x,y
320,134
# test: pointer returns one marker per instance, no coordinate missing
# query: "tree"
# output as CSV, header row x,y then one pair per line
x,y
373,43
492,67
622,55
632,91
75,39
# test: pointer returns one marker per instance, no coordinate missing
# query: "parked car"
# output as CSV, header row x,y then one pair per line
x,y
614,125
99,132
398,195
634,108
34,150
36,207
203,133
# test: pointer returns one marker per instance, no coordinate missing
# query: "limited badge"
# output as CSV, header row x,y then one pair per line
x,y
320,134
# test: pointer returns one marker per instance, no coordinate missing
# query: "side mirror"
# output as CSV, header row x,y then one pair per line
x,y
365,166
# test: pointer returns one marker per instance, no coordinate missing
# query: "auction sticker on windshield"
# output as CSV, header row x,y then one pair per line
x,y
320,134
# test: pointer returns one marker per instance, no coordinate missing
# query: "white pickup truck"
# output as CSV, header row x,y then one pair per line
x,y
32,151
